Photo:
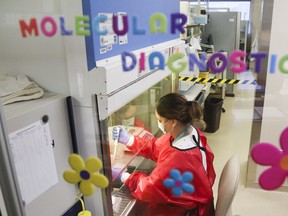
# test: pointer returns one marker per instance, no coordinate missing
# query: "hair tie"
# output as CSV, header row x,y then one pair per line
x,y
189,103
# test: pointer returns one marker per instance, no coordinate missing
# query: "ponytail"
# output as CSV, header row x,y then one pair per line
x,y
197,115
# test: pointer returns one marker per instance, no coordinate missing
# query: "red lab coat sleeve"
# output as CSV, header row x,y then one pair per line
x,y
151,189
147,147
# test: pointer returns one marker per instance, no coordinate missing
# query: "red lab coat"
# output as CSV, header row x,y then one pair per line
x,y
159,199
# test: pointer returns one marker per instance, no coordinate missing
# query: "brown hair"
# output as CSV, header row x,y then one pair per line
x,y
176,106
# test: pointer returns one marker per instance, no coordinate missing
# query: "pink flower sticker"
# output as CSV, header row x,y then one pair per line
x,y
267,154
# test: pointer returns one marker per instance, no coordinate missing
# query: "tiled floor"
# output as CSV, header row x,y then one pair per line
x,y
233,137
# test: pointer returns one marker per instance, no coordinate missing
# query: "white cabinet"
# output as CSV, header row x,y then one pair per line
x,y
51,111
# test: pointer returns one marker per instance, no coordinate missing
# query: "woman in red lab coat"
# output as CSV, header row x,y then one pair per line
x,y
182,147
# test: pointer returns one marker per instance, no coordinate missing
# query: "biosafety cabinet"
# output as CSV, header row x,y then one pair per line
x,y
127,99
117,96
104,96
108,96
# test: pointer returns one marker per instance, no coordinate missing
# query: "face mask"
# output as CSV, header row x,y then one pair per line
x,y
161,126
128,122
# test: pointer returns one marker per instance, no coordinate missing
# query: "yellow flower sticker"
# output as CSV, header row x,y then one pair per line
x,y
85,173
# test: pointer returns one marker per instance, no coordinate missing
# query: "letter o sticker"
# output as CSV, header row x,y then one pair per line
x,y
212,62
48,33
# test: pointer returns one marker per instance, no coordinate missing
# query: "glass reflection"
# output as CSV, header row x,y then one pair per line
x,y
137,118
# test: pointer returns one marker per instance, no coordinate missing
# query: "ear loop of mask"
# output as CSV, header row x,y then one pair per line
x,y
162,126
171,128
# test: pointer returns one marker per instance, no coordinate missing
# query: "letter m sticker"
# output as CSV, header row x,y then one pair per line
x,y
29,28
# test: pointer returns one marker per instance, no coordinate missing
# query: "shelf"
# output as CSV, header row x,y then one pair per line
x,y
193,91
192,26
186,38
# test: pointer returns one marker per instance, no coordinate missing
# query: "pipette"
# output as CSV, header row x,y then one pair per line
x,y
115,145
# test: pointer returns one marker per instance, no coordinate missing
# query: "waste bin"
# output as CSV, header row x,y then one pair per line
x,y
212,113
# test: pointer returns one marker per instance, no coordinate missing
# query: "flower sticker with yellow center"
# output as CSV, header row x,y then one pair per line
x,y
85,173
268,155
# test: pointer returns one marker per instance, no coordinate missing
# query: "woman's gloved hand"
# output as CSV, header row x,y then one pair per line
x,y
119,176
121,134
116,172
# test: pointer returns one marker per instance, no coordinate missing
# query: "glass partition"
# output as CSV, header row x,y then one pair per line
x,y
138,118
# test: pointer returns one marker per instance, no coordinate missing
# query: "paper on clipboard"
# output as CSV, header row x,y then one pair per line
x,y
34,161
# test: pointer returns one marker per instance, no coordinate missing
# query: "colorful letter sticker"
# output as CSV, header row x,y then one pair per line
x,y
267,154
179,183
85,173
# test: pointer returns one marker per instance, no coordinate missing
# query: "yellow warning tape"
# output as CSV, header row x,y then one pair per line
x,y
220,81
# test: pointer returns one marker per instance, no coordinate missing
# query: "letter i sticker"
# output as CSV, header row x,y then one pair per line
x,y
142,61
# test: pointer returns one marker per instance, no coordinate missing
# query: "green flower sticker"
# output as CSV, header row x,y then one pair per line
x,y
85,173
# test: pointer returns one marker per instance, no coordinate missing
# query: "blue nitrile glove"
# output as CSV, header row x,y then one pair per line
x,y
115,172
121,134
120,176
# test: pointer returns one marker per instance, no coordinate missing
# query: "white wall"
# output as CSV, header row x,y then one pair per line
x,y
42,59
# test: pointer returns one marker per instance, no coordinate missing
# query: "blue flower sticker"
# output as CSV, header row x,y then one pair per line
x,y
179,183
